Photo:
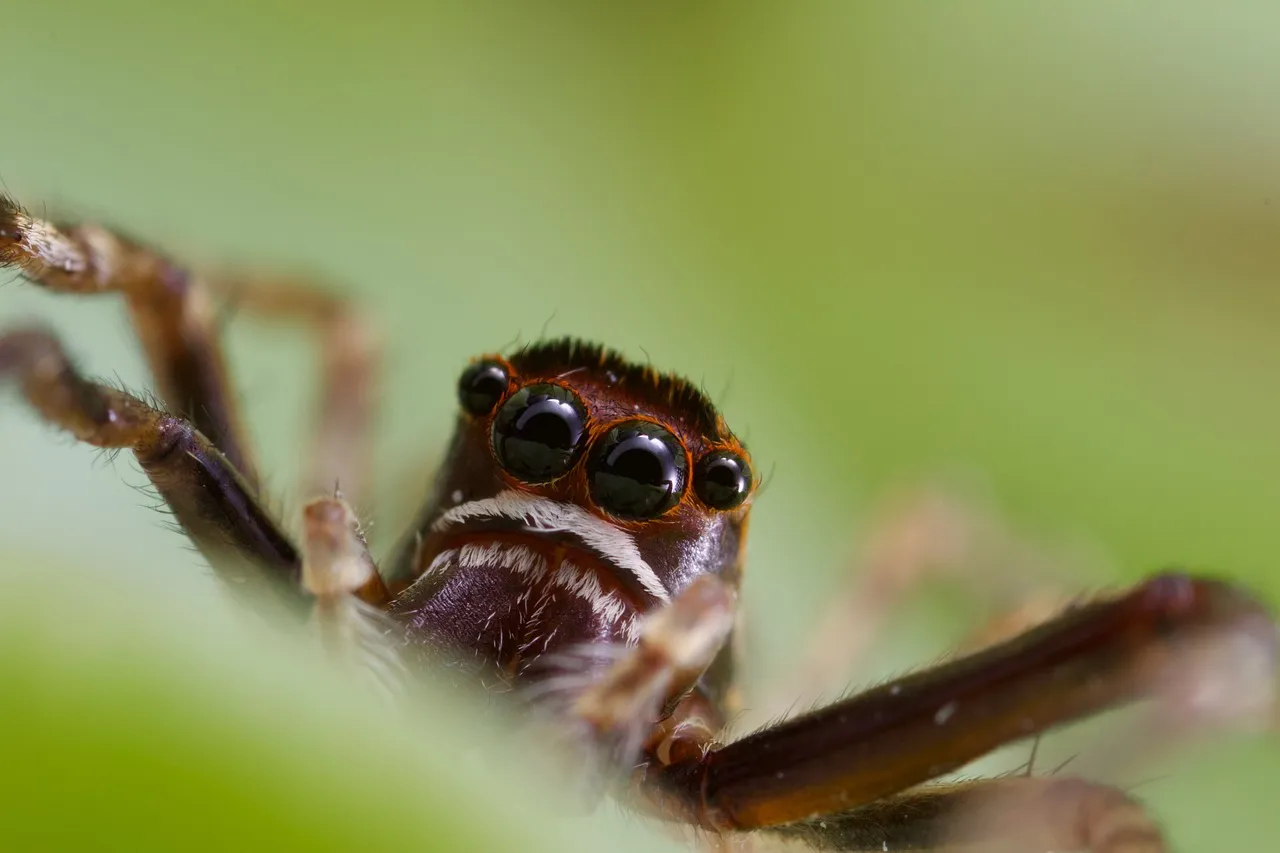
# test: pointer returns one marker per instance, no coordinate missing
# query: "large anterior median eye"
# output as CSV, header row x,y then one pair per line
x,y
538,432
637,470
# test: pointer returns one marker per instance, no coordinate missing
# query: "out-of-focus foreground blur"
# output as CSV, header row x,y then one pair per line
x,y
1027,250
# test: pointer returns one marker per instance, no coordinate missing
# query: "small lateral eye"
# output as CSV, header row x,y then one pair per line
x,y
722,479
481,386
538,432
637,470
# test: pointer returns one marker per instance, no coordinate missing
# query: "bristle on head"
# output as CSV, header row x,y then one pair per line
x,y
568,355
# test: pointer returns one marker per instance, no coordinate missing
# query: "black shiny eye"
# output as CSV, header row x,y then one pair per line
x,y
538,432
722,479
637,470
481,386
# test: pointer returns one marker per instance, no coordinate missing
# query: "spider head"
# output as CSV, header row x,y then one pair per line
x,y
577,422
572,465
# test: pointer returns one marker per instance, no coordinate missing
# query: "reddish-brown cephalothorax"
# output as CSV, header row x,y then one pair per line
x,y
579,493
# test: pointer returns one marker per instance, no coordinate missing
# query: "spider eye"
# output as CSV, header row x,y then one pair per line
x,y
538,432
481,386
722,479
637,470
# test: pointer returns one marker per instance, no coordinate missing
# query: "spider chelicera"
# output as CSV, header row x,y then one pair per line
x,y
591,513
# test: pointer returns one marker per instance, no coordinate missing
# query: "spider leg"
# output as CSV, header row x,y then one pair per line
x,y
210,498
171,313
1017,813
341,446
923,536
644,706
338,571
1143,643
677,644
1220,684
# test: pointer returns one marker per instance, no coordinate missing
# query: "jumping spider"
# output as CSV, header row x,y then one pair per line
x,y
586,501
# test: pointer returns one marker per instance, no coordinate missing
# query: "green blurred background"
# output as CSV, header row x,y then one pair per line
x,y
1027,246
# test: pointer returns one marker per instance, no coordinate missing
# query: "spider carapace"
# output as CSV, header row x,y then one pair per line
x,y
583,543
579,493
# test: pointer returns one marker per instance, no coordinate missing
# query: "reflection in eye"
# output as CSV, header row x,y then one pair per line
x,y
722,479
538,432
637,470
481,386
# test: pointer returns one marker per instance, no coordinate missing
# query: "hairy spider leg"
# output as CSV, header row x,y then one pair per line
x,y
677,644
919,537
196,454
173,314
1101,654
342,437
338,570
211,500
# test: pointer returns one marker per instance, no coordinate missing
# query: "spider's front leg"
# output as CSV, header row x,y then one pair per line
x,y
643,706
677,644
837,775
211,499
195,453
215,506
339,572
173,314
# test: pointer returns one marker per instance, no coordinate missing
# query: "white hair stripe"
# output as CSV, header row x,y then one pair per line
x,y
544,515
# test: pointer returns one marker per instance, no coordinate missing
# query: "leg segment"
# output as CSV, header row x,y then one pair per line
x,y
338,571
335,556
170,312
677,643
1102,654
926,536
173,315
643,705
212,502
341,446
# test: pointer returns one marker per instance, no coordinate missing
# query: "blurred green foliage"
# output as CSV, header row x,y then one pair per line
x,y
1031,246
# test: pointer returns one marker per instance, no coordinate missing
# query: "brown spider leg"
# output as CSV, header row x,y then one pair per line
x,y
338,571
1099,655
210,499
341,449
170,311
935,536
1215,694
634,709
1219,686
925,536
677,644
1010,814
